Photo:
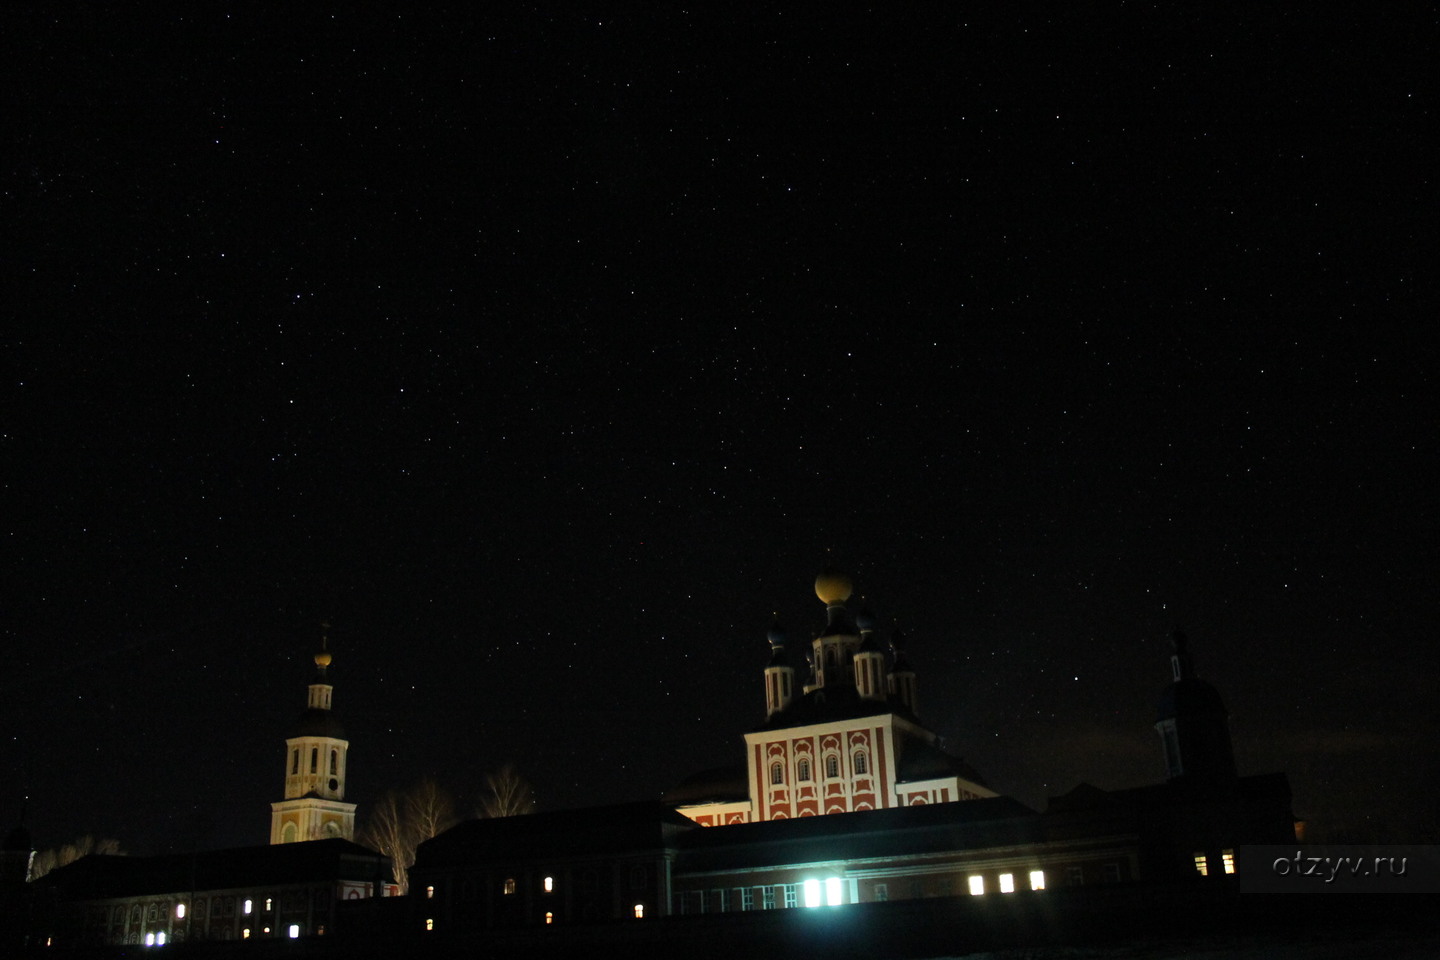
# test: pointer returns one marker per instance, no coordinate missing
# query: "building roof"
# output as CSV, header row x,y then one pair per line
x,y
727,784
592,831
827,704
925,761
315,722
101,876
995,821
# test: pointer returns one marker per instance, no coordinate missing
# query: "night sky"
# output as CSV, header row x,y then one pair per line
x,y
548,356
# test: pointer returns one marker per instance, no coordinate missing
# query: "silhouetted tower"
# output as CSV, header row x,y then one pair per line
x,y
1193,724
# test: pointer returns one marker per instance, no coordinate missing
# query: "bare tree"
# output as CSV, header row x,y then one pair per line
x,y
47,860
400,822
510,794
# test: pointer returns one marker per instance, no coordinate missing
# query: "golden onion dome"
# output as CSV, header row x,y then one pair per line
x,y
832,587
322,659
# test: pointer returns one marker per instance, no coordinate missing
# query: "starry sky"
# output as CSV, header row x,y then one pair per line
x,y
548,355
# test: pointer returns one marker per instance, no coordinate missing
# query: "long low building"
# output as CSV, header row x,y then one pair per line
x,y
272,892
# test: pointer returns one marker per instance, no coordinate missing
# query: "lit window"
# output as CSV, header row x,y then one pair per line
x,y
812,893
882,892
1201,867
977,885
833,892
767,898
1227,857
832,766
790,892
429,923
549,884
429,893
802,770
639,911
179,911
509,886
1007,883
245,934
549,917
862,764
149,939
1037,879
777,773
249,905
294,931
265,930
747,898
160,939
269,904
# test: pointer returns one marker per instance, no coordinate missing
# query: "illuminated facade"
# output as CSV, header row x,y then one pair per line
x,y
849,741
314,807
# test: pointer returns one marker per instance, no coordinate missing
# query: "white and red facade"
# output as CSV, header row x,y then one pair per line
x,y
849,742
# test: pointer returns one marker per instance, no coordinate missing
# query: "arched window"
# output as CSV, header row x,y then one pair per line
x,y
777,773
802,769
832,766
334,762
861,763
314,759
295,761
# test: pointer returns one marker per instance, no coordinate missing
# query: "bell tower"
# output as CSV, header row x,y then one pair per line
x,y
315,769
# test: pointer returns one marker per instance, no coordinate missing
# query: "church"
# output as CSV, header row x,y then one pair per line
x,y
848,738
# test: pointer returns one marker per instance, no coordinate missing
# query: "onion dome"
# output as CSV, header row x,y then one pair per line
x,y
833,587
776,636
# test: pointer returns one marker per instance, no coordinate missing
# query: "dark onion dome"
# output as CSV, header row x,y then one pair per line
x,y
315,722
776,634
871,644
776,637
1190,697
717,785
18,839
865,619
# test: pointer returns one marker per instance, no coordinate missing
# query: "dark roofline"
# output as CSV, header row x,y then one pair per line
x,y
104,875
